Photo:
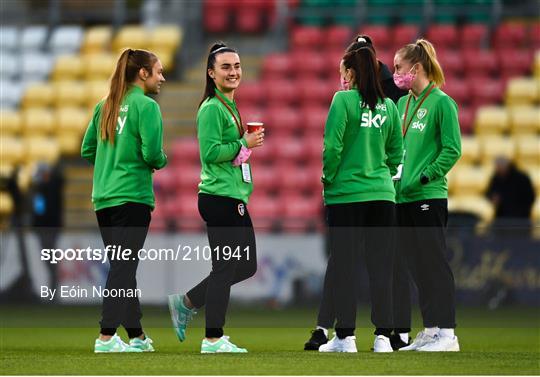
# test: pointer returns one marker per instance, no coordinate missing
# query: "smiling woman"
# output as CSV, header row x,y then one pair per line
x,y
225,187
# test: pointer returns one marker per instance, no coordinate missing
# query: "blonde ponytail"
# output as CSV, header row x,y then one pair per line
x,y
111,107
424,53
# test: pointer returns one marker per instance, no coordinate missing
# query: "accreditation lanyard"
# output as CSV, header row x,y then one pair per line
x,y
238,122
404,127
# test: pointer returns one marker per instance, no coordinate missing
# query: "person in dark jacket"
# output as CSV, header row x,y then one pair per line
x,y
512,193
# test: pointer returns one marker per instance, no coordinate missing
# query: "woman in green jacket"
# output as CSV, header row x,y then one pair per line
x,y
432,145
124,142
225,187
362,149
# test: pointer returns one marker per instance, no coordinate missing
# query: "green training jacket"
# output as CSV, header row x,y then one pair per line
x,y
432,145
219,143
123,170
362,150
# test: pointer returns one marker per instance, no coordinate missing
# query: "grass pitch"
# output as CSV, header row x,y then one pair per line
x,y
59,340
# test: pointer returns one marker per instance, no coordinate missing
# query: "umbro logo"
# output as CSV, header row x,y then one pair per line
x,y
425,207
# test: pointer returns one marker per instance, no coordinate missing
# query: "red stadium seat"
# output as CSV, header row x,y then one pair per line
x,y
443,35
306,38
314,118
283,121
515,62
301,213
264,154
380,35
216,15
337,37
264,176
386,57
451,61
315,92
250,93
254,16
313,144
185,150
534,36
164,182
404,34
458,90
280,92
510,35
480,62
187,217
188,178
277,66
291,150
466,119
473,36
485,91
263,210
310,64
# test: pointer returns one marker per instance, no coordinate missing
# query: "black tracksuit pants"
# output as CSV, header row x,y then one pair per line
x,y
355,229
422,242
228,224
126,226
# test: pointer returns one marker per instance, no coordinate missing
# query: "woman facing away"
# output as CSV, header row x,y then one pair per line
x,y
124,142
224,191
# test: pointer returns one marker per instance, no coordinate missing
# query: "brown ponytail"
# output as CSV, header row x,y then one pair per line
x,y
424,53
366,75
127,68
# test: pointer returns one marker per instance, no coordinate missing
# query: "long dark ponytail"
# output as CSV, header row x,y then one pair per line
x,y
366,75
216,49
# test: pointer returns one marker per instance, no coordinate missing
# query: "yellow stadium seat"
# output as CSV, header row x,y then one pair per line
x,y
99,66
97,40
165,37
470,180
475,204
10,122
6,204
528,151
496,146
95,92
166,58
522,91
67,67
136,37
69,93
41,149
6,169
11,150
70,143
491,120
525,120
71,120
37,121
470,149
37,95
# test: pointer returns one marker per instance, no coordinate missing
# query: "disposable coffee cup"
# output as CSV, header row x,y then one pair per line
x,y
254,126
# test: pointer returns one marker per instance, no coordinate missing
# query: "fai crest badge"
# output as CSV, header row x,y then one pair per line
x,y
421,113
241,209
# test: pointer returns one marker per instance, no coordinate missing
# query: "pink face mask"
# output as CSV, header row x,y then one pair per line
x,y
345,85
404,81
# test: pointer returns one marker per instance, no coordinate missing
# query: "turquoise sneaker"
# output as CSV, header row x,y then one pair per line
x,y
113,345
221,346
144,345
180,315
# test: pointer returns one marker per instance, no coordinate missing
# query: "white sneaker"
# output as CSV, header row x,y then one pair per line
x,y
339,345
441,344
421,339
382,344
